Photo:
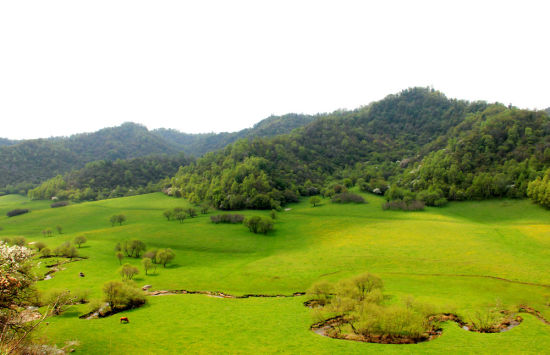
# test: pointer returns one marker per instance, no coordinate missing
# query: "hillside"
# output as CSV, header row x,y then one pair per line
x,y
266,173
109,179
199,144
33,161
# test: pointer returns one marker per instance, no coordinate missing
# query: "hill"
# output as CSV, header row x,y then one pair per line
x,y
268,172
199,144
33,161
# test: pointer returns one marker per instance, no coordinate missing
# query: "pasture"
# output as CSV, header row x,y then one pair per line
x,y
462,258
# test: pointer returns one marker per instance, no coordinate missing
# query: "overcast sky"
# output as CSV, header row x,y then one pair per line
x,y
202,66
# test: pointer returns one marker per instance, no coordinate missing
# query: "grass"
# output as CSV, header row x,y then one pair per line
x,y
440,256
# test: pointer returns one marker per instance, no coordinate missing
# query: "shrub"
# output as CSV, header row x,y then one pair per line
x,y
347,197
191,212
122,295
258,224
402,205
320,292
315,200
19,241
227,218
128,271
45,253
59,204
79,240
17,212
67,250
39,246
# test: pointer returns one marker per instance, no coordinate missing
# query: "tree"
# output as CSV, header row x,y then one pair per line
x,y
180,216
113,220
147,264
191,212
59,229
80,240
128,271
167,214
204,208
39,246
164,256
120,256
46,252
314,200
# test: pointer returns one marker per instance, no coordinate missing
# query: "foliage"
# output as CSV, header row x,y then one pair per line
x,y
59,204
118,218
133,248
128,271
259,224
17,212
122,295
227,218
314,201
67,250
164,256
347,197
79,240
402,205
147,264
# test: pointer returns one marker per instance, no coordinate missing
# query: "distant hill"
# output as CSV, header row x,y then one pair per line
x,y
33,161
199,144
5,142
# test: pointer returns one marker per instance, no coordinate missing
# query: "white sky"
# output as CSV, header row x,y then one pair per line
x,y
201,66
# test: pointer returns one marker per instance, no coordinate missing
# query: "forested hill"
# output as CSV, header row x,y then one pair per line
x,y
5,142
33,161
265,173
107,179
199,144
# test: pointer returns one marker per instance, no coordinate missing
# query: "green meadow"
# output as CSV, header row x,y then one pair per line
x,y
462,258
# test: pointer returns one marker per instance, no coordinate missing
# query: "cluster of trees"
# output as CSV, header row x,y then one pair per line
x,y
121,296
268,173
104,179
538,190
359,303
131,248
493,153
117,218
135,249
180,214
258,224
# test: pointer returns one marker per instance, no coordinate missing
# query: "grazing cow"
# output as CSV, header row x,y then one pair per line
x,y
124,319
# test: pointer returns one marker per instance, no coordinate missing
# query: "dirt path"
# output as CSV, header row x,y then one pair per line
x,y
216,294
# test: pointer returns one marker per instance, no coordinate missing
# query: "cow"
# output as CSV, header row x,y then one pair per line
x,y
124,319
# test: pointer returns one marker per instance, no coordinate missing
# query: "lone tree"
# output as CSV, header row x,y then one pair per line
x,y
120,256
80,240
59,229
164,256
167,214
128,271
147,264
204,208
315,200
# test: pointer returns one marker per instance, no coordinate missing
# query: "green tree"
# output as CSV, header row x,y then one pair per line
x,y
314,200
147,264
120,256
167,214
165,256
79,240
128,271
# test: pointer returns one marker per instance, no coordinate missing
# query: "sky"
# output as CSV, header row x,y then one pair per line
x,y
209,66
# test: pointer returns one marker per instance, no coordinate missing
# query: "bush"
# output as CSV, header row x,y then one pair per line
x,y
402,205
19,241
257,224
59,204
67,250
227,218
122,295
432,197
17,212
347,197
128,271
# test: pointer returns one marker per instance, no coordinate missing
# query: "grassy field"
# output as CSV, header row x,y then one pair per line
x,y
441,256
